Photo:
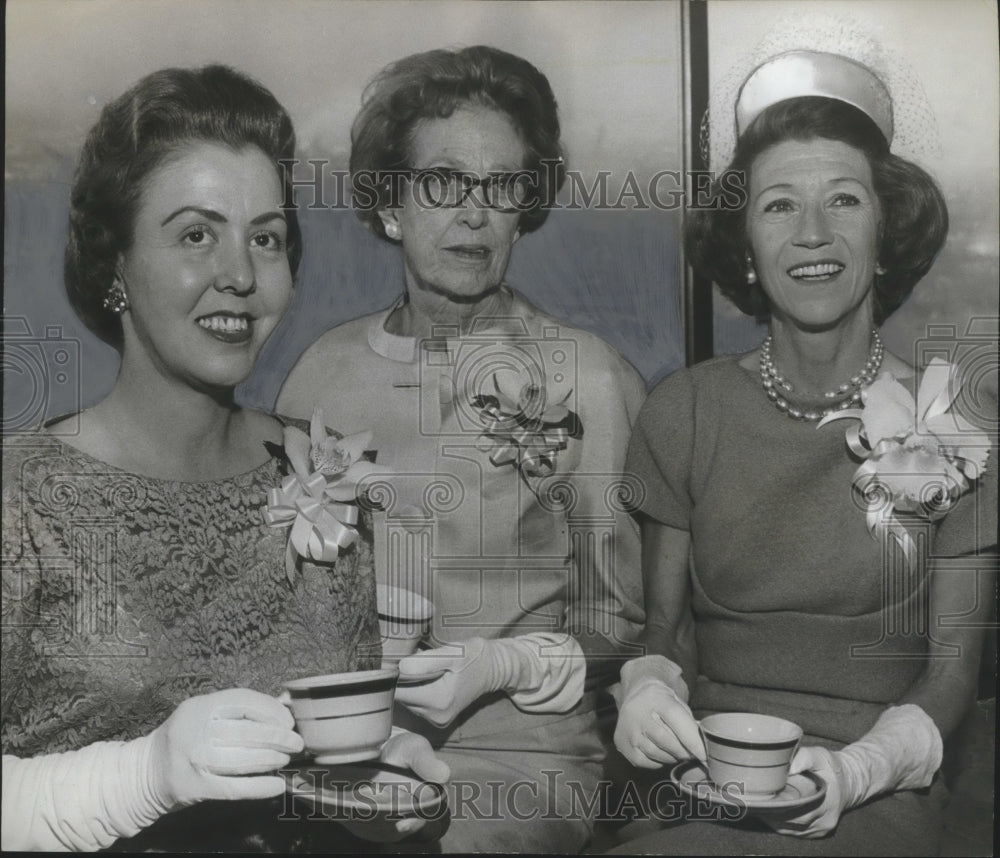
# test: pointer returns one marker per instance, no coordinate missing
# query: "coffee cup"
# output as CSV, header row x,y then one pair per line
x,y
343,717
404,618
748,752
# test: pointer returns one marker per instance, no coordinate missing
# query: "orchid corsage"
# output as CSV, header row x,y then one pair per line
x,y
918,457
317,499
525,429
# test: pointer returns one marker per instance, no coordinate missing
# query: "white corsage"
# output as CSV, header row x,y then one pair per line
x,y
317,498
918,457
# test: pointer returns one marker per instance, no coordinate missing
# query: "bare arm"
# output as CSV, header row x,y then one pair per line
x,y
667,588
962,598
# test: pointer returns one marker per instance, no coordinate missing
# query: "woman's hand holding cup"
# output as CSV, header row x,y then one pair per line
x,y
224,745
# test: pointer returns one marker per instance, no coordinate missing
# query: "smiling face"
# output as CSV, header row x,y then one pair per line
x,y
207,275
460,253
813,223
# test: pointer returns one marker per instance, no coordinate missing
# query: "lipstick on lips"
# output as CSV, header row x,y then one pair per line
x,y
227,327
816,272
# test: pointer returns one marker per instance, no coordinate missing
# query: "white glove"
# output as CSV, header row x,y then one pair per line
x,y
902,751
541,672
655,725
219,746
87,799
408,751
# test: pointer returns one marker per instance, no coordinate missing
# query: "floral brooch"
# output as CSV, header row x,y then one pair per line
x,y
525,429
918,456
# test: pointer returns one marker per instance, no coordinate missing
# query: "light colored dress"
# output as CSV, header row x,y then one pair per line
x,y
797,611
125,595
499,553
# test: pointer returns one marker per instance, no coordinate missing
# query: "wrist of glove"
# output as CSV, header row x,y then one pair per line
x,y
655,725
639,672
540,672
902,751
78,801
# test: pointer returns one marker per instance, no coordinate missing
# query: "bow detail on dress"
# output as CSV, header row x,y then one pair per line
x,y
317,498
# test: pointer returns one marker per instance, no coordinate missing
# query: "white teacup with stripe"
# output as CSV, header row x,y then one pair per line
x,y
343,717
749,753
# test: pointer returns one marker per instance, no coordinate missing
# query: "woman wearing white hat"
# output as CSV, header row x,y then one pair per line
x,y
825,610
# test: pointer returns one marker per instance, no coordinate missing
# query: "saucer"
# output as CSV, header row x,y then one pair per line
x,y
420,678
363,790
800,790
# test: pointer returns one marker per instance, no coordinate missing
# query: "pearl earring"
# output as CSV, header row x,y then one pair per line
x,y
392,230
751,274
879,270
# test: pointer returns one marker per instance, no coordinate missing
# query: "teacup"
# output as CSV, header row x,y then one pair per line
x,y
404,618
343,717
750,751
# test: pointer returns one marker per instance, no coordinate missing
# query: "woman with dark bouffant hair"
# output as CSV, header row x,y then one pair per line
x,y
802,510
506,432
149,612
914,216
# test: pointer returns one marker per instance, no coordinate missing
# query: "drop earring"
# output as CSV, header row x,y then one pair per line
x,y
751,274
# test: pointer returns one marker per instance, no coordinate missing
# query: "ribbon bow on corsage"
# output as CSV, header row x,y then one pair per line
x,y
316,499
525,430
919,457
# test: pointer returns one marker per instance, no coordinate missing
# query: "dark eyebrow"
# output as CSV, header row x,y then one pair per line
x,y
216,217
208,214
268,216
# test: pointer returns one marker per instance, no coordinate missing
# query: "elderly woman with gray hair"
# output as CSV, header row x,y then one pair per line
x,y
506,431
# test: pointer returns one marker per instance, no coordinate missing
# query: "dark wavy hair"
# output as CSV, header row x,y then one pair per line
x,y
135,134
433,85
914,214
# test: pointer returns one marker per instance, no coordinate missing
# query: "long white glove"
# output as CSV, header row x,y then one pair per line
x,y
541,672
214,746
655,724
902,751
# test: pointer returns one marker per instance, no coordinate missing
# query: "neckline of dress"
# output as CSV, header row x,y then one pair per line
x,y
76,452
402,348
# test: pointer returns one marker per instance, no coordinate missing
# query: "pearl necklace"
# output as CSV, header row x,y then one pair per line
x,y
848,394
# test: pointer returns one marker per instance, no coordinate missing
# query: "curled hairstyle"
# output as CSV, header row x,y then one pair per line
x,y
433,85
914,215
135,134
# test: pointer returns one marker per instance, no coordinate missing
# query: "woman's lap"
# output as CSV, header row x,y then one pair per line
x,y
905,823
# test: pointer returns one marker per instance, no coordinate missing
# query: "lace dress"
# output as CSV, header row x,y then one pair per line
x,y
124,595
